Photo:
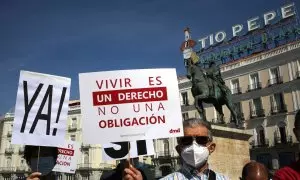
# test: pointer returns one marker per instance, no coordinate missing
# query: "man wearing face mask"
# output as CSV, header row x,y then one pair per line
x,y
194,149
41,160
292,171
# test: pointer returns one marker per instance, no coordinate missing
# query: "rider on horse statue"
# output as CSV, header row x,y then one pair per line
x,y
214,78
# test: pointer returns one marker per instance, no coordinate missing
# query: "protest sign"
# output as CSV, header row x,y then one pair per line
x,y
130,105
124,150
67,158
41,109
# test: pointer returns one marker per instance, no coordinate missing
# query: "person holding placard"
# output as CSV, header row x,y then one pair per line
x,y
194,150
41,160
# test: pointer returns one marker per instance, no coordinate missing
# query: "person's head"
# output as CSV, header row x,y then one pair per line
x,y
297,126
254,170
41,159
197,144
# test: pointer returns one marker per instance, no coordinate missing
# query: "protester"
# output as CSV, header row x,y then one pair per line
x,y
292,171
194,150
41,161
117,173
254,171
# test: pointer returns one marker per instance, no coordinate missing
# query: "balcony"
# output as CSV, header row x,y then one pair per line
x,y
85,166
72,128
257,113
263,144
240,116
253,87
21,169
276,80
9,150
288,140
278,109
85,146
7,169
21,150
106,166
9,134
163,154
237,90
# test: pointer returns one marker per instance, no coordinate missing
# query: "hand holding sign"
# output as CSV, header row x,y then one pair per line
x,y
41,109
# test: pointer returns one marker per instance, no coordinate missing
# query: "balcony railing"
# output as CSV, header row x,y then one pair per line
x,y
278,109
276,80
21,169
236,90
85,166
288,140
72,128
7,169
9,150
163,153
21,150
9,134
106,166
264,143
255,86
240,116
257,113
85,146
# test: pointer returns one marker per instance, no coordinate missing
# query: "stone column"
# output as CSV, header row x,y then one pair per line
x,y
232,151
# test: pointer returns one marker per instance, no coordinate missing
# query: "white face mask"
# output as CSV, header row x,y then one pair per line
x,y
195,155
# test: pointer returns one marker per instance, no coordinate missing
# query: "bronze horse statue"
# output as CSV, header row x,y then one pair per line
x,y
202,92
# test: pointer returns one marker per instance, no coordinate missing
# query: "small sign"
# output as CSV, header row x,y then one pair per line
x,y
67,158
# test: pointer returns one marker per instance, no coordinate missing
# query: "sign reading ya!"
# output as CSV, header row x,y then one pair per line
x,y
129,105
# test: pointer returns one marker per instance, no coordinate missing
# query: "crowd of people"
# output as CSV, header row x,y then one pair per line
x,y
194,149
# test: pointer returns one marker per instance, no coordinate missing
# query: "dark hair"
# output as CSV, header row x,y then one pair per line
x,y
28,150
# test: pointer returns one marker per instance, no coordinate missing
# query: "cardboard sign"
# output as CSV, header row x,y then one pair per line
x,y
130,105
67,158
121,150
41,109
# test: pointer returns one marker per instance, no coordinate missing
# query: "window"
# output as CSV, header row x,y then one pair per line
x,y
8,161
235,86
185,100
274,76
265,159
166,147
185,116
286,158
260,136
86,158
277,103
254,81
74,122
73,138
282,132
256,107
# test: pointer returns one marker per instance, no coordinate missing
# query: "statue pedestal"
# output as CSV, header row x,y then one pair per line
x,y
232,151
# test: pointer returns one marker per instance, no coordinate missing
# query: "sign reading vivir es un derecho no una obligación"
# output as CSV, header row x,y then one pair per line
x,y
130,105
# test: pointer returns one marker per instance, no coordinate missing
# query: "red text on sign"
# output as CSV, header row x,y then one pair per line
x,y
153,82
113,83
130,96
67,152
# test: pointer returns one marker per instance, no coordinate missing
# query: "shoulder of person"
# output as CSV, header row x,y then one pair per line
x,y
283,173
174,175
220,176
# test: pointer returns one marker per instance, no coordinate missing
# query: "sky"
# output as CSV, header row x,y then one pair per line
x,y
69,37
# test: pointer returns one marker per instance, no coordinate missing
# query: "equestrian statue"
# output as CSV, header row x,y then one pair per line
x,y
207,84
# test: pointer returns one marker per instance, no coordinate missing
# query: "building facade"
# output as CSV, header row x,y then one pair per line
x,y
266,94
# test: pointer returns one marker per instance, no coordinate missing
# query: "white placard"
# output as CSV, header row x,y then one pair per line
x,y
130,105
67,158
41,109
116,151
